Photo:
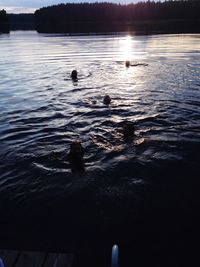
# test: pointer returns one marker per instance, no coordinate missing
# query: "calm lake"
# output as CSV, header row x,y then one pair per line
x,y
144,192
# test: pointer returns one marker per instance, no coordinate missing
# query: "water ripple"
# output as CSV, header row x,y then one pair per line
x,y
43,111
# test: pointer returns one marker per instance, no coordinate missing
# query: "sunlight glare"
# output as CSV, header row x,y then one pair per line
x,y
126,48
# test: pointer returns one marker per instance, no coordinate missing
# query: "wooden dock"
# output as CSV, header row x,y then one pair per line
x,y
13,258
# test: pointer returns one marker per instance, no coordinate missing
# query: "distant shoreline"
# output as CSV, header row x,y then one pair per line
x,y
95,18
143,17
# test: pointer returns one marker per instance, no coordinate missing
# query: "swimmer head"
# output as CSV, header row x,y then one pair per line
x,y
76,150
76,154
106,100
128,129
127,63
74,75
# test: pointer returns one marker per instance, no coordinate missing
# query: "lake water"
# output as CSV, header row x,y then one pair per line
x,y
143,192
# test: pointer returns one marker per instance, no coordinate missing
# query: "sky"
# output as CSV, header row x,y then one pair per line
x,y
29,6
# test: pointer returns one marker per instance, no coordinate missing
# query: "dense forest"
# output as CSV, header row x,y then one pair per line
x,y
169,16
146,17
11,22
4,22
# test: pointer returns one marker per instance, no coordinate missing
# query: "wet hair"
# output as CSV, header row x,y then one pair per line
x,y
106,100
74,75
76,150
76,154
128,129
127,63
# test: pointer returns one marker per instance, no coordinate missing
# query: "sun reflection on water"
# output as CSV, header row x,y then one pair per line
x,y
126,47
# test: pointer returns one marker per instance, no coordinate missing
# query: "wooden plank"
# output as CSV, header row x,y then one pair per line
x,y
64,260
50,260
35,259
8,257
30,259
59,260
44,260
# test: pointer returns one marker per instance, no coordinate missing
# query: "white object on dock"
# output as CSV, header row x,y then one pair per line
x,y
115,255
1,263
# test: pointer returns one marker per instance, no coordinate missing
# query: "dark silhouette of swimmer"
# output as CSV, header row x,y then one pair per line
x,y
74,157
128,129
76,154
127,63
74,75
106,100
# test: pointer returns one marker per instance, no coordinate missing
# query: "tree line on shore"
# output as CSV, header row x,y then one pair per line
x,y
168,16
114,17
4,22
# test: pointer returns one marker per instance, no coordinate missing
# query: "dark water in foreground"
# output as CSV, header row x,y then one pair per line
x,y
143,194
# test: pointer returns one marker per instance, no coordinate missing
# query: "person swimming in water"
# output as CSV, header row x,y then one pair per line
x,y
74,75
75,156
76,150
129,64
128,129
106,100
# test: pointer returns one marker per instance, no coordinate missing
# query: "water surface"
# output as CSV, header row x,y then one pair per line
x,y
127,186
